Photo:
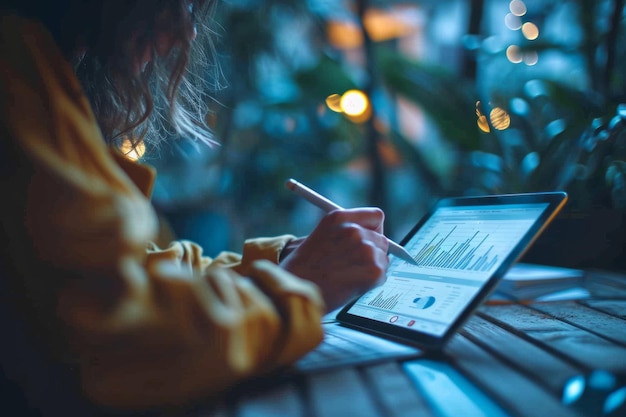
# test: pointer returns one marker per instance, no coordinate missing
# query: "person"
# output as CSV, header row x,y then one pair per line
x,y
130,324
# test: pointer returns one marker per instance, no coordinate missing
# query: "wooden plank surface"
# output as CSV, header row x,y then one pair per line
x,y
394,392
570,342
448,391
516,393
604,325
547,369
284,400
341,393
616,308
519,356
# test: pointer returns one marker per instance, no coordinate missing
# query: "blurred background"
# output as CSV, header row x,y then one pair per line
x,y
398,103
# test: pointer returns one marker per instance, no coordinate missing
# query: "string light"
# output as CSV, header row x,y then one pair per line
x,y
517,7
333,102
513,22
354,104
133,152
482,122
530,31
531,58
514,54
499,119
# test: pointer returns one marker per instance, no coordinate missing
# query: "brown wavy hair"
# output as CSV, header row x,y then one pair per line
x,y
170,95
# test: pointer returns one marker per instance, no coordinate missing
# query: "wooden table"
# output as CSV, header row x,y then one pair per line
x,y
510,359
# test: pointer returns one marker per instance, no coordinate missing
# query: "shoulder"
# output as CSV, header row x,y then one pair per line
x,y
22,38
30,55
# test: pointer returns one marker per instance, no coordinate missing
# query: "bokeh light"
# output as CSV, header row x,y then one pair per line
x,y
354,103
514,54
512,22
517,7
133,152
483,123
531,58
333,102
344,35
499,118
530,31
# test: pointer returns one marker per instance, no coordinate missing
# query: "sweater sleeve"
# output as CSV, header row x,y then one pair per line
x,y
147,327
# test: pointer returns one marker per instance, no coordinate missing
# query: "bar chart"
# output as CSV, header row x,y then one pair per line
x,y
456,251
438,301
460,255
390,302
465,247
381,301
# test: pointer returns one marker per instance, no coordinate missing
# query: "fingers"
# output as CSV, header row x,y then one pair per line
x,y
361,236
356,226
371,218
342,264
345,254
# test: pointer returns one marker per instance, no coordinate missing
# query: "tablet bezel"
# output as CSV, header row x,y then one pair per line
x,y
556,200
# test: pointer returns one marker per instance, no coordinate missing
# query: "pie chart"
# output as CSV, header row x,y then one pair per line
x,y
424,302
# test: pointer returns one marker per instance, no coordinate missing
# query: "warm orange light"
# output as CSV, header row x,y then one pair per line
x,y
354,103
344,35
514,54
483,124
133,152
334,103
356,106
381,25
499,118
530,31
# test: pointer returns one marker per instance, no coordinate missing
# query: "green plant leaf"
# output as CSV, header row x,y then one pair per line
x,y
324,79
447,99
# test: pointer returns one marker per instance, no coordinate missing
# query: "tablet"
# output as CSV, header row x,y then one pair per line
x,y
462,247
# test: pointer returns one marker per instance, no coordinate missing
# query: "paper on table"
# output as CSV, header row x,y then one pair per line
x,y
524,281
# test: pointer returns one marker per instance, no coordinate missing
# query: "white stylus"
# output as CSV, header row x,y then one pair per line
x,y
327,205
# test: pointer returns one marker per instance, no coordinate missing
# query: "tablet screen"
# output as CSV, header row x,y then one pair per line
x,y
458,249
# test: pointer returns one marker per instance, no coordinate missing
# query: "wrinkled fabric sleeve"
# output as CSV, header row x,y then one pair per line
x,y
268,248
147,327
254,249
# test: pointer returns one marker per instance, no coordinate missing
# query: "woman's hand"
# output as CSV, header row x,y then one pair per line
x,y
345,255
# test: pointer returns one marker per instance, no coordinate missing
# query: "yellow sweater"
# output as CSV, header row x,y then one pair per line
x,y
145,326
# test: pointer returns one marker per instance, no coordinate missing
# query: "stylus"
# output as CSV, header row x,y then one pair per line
x,y
327,205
